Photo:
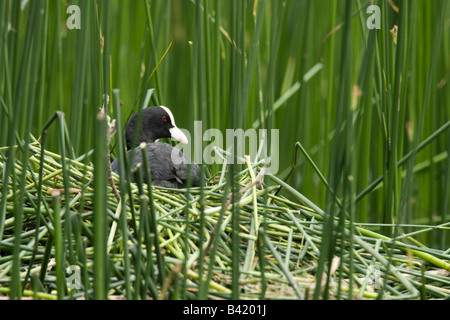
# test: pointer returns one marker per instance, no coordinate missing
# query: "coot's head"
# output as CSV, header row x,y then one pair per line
x,y
156,123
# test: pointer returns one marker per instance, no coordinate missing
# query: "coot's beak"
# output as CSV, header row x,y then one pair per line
x,y
178,135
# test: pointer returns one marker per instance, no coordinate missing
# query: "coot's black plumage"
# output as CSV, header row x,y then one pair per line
x,y
168,165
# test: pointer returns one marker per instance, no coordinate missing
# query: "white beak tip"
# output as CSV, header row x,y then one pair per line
x,y
178,135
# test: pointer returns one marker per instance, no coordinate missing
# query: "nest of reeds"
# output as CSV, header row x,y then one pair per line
x,y
258,237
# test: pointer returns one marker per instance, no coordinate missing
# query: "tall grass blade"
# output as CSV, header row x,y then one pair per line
x,y
100,208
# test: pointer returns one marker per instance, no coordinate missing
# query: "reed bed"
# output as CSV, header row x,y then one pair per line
x,y
188,252
359,208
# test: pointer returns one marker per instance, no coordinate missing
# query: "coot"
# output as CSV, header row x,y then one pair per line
x,y
168,165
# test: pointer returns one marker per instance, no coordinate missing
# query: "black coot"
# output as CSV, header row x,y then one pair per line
x,y
168,165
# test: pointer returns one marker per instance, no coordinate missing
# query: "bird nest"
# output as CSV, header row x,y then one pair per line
x,y
256,236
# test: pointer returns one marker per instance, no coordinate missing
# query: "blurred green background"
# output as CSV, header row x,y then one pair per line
x,y
356,99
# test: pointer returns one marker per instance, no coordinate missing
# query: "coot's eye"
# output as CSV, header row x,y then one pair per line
x,y
164,118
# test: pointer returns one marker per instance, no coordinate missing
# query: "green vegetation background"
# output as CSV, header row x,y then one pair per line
x,y
355,100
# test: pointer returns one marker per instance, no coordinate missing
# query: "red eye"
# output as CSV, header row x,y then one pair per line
x,y
163,118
